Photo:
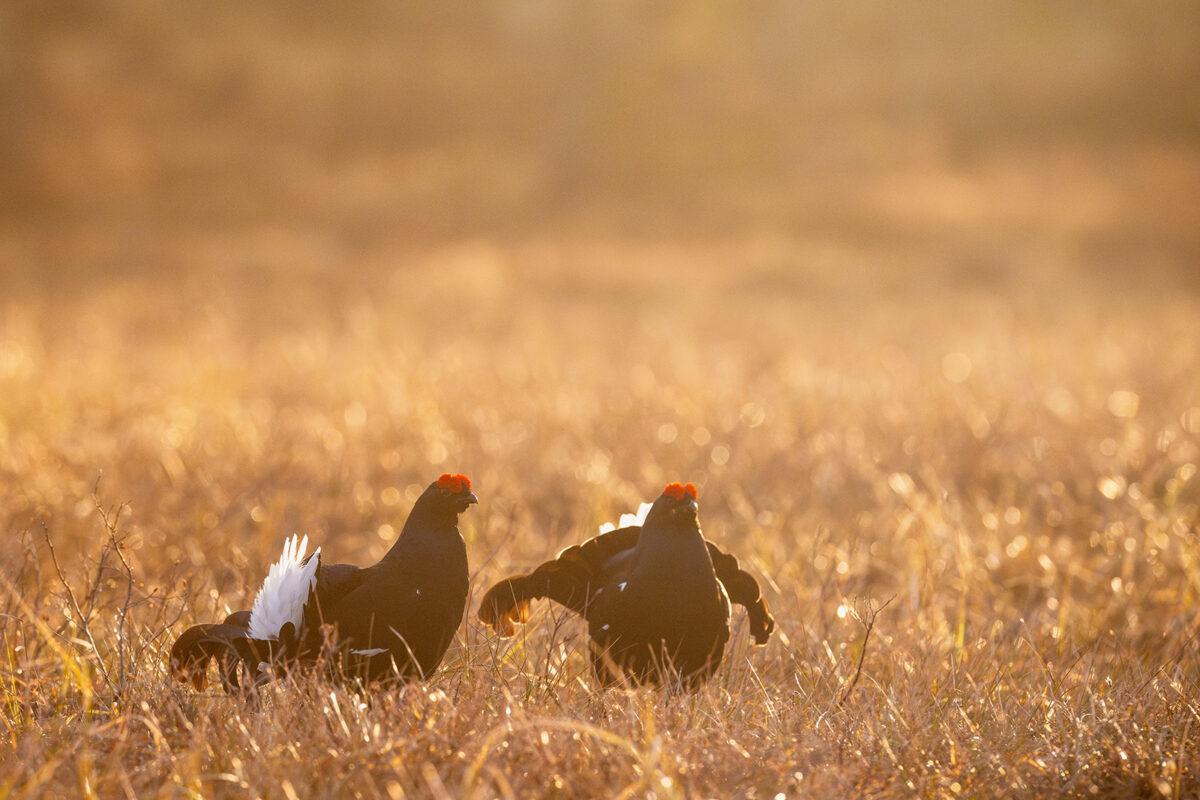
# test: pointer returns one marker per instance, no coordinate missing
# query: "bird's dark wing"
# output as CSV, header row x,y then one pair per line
x,y
335,581
743,589
200,644
570,579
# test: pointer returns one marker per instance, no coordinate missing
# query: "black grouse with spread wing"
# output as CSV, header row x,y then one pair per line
x,y
656,596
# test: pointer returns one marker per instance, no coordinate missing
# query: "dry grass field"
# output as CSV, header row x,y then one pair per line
x,y
912,294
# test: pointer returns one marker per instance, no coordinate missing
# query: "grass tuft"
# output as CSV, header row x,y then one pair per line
x,y
985,584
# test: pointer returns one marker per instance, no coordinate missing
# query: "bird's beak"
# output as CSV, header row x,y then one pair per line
x,y
471,498
686,508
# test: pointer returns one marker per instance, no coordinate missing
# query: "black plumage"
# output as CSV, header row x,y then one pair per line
x,y
656,597
395,618
200,644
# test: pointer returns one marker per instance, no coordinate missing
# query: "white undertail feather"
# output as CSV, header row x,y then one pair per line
x,y
628,519
285,591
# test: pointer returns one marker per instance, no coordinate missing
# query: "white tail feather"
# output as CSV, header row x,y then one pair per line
x,y
628,519
285,591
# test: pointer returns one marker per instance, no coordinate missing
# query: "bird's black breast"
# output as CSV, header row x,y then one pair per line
x,y
645,615
409,606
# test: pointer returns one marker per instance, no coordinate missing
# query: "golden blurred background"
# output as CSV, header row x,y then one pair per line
x,y
909,290
969,143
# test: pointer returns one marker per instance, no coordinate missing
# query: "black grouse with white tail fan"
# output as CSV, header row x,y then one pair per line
x,y
393,619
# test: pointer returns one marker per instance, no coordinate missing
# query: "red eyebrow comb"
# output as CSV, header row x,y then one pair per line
x,y
454,483
676,491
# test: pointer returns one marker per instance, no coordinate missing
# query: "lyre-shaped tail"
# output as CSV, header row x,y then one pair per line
x,y
200,644
744,590
568,580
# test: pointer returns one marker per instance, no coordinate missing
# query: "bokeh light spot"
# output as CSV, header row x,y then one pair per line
x,y
1123,403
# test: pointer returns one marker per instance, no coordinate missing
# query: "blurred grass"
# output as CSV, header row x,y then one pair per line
x,y
141,138
908,290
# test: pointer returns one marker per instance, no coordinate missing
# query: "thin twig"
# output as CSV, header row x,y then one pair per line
x,y
869,624
110,520
75,607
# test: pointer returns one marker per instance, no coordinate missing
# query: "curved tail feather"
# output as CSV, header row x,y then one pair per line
x,y
279,652
508,601
200,644
567,580
744,590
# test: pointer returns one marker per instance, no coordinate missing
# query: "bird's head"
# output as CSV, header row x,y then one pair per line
x,y
435,514
452,492
675,509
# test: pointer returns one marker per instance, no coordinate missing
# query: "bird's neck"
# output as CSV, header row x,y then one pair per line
x,y
423,532
672,552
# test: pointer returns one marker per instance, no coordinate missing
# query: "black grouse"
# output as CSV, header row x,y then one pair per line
x,y
656,595
394,619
